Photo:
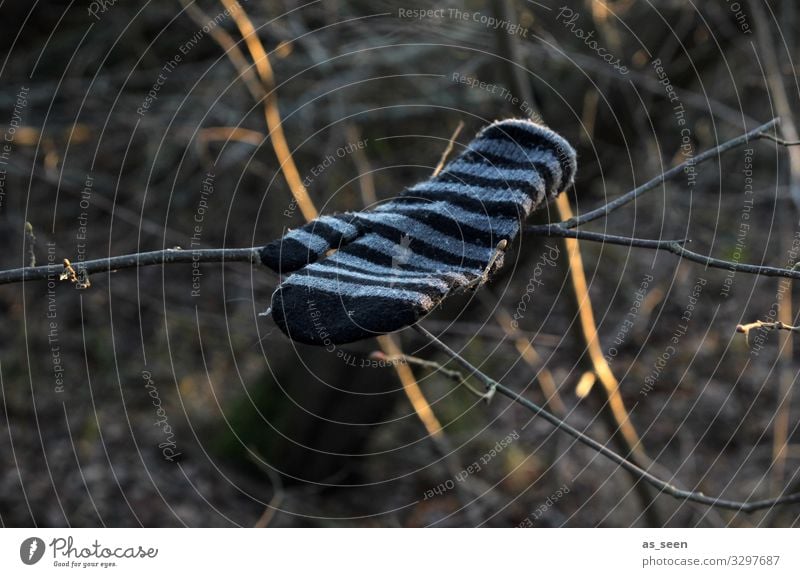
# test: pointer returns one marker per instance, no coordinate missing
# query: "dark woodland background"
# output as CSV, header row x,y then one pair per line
x,y
274,433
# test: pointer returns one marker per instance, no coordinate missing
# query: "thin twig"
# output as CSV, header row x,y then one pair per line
x,y
237,133
663,486
30,244
425,412
785,362
556,230
277,487
621,201
83,269
366,181
451,374
781,141
770,326
177,255
676,247
449,149
756,269
230,47
779,97
226,134
411,388
585,384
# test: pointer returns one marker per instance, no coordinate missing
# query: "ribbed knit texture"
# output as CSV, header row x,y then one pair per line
x,y
394,264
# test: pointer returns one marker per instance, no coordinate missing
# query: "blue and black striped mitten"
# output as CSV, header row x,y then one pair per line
x,y
394,264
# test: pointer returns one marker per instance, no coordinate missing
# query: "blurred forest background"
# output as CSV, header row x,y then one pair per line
x,y
159,397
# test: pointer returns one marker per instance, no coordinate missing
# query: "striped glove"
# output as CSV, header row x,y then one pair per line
x,y
394,264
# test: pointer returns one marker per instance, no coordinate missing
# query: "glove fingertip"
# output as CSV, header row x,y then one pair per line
x,y
286,255
555,148
317,317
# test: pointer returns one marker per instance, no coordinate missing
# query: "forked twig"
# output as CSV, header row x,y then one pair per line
x,y
770,326
566,228
661,485
452,374
555,230
676,247
628,197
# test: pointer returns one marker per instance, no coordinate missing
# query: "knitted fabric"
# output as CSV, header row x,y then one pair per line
x,y
394,264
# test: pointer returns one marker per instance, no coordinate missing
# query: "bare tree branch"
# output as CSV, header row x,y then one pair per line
x,y
168,256
676,247
769,326
712,262
781,141
562,229
556,230
628,197
663,486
